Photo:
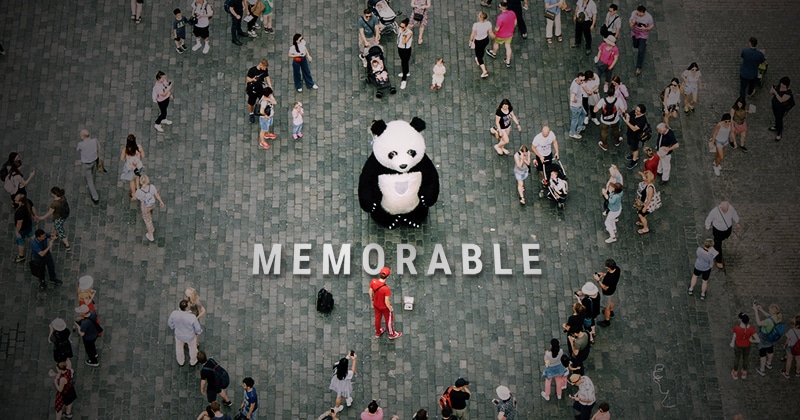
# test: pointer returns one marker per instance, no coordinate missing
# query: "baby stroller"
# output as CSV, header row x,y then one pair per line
x,y
554,183
386,15
377,74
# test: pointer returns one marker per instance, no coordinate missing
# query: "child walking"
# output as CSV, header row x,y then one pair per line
x,y
438,74
297,120
179,31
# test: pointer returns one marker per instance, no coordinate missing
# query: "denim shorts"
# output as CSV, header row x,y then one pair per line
x,y
265,122
21,240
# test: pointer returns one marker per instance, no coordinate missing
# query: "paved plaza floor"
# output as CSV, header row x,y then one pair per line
x,y
85,64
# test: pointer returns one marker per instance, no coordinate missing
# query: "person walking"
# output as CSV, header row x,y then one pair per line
x,y
744,335
187,330
372,412
584,18
203,12
702,267
641,23
505,23
89,332
636,121
342,381
553,19
792,350
691,85
609,112
147,194
723,134
748,70
606,58
577,112
369,33
208,380
236,10
720,221
11,174
522,165
89,148
300,56
136,10
770,331
554,369
379,293
459,396
132,166
419,13
517,6
249,407
585,399
614,177
195,306
479,40
65,390
59,209
41,255
782,102
503,116
62,345
667,143
608,282
671,100
612,24
506,403
648,191
404,50
24,215
739,116
86,296
161,95
267,15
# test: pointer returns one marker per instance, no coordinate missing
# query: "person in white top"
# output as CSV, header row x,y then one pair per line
x,y
300,56
479,40
404,50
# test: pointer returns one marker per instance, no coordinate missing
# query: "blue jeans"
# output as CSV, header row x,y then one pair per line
x,y
641,45
577,114
297,67
296,129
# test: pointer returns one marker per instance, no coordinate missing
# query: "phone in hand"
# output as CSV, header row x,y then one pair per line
x,y
352,353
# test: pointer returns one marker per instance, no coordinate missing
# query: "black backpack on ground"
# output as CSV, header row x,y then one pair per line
x,y
324,301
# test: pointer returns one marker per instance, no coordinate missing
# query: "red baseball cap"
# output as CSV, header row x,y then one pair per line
x,y
385,271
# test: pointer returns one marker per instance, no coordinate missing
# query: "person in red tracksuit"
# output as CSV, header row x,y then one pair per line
x,y
379,292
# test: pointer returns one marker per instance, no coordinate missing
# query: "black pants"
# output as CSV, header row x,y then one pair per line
x,y
50,263
746,86
236,28
405,58
162,108
252,24
91,350
719,236
779,111
480,48
584,29
585,410
516,7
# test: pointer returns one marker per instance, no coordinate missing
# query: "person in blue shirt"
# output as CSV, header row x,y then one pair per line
x,y
40,252
748,71
249,407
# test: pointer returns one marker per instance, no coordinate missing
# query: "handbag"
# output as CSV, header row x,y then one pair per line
x,y
418,16
258,8
549,15
297,59
193,20
101,167
655,203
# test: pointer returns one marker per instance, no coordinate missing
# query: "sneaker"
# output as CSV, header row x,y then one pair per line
x,y
611,240
545,396
612,314
596,121
338,409
166,121
785,374
735,374
158,128
744,374
67,247
197,46
525,36
252,119
690,292
19,258
778,137
300,135
315,87
600,144
586,120
761,372
629,157
433,87
618,142
149,236
228,403
717,170
270,30
207,48
270,135
256,26
363,60
139,19
252,34
399,74
772,128
396,334
294,136
632,164
744,149
604,323
300,90
493,55
380,333
349,401
93,364
508,65
42,286
769,366
58,282
576,136
702,296
179,50
402,85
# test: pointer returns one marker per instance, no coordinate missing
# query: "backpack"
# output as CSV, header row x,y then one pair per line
x,y
795,349
604,32
227,6
324,301
11,185
444,400
221,377
65,209
609,110
645,133
775,333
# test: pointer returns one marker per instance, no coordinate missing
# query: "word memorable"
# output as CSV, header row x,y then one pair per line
x,y
337,264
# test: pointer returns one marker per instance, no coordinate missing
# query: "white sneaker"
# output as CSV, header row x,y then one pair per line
x,y
586,120
338,409
349,401
158,128
166,121
197,46
149,236
596,121
403,84
207,48
252,34
315,87
256,26
611,240
545,396
576,136
399,74
717,170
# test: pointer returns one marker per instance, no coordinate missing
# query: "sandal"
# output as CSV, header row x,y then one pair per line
x,y
498,150
264,146
549,40
639,224
560,38
522,200
484,75
642,231
506,152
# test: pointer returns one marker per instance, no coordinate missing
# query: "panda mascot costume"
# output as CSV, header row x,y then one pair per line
x,y
398,182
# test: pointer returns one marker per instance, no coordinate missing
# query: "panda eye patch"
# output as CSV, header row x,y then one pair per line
x,y
412,152
392,155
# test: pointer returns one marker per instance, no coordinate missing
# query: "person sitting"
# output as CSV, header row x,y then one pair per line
x,y
381,75
558,185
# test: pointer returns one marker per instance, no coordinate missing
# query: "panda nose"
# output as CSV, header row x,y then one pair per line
x,y
403,166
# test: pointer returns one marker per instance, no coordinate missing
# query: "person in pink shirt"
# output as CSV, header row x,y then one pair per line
x,y
504,31
372,412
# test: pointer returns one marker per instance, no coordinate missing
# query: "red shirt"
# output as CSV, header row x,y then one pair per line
x,y
379,293
652,164
743,335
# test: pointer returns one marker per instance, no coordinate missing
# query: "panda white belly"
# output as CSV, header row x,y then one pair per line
x,y
400,192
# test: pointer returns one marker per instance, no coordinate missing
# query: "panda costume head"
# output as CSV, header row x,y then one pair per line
x,y
398,182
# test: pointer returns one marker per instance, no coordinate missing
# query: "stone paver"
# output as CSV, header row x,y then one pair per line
x,y
84,64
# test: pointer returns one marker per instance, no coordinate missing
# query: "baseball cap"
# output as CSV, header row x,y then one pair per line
x,y
385,271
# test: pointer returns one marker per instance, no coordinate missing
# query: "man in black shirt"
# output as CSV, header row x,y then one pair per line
x,y
458,399
257,78
608,284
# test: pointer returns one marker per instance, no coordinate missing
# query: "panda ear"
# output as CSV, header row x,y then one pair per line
x,y
378,127
418,124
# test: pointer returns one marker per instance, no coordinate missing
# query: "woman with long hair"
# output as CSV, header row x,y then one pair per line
x,y
554,369
59,209
739,117
197,308
132,155
342,381
522,167
479,40
300,56
502,126
723,134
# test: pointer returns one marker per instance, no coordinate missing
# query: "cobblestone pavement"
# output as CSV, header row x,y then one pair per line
x,y
85,64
